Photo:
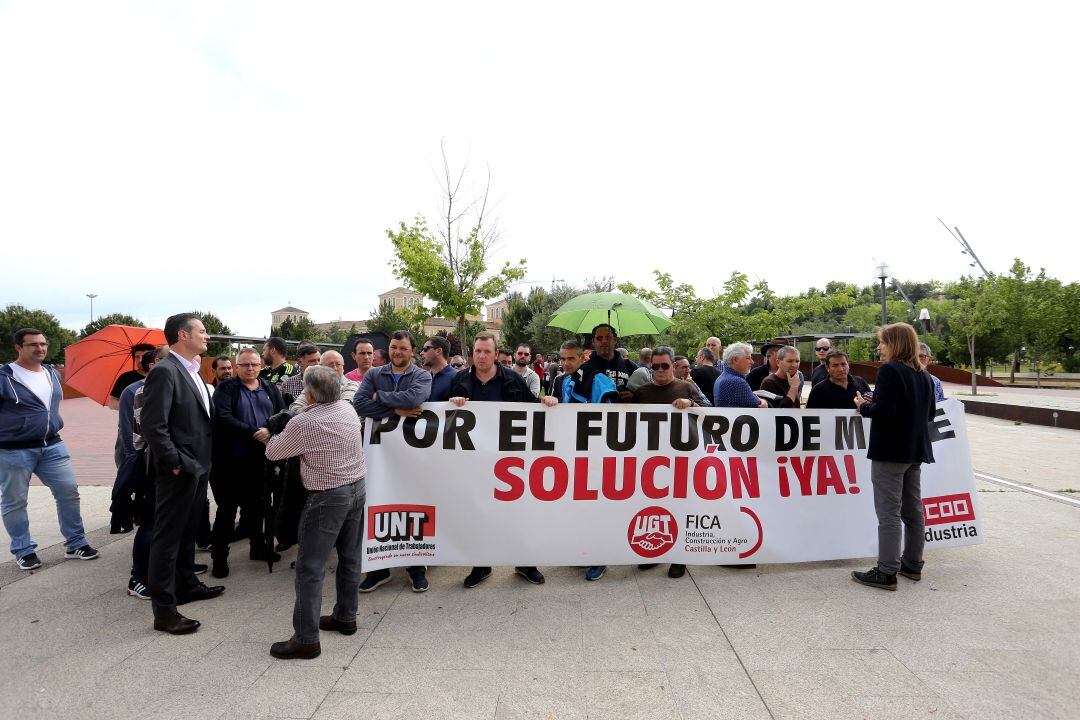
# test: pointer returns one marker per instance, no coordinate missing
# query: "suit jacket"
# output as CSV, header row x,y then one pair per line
x,y
902,410
175,422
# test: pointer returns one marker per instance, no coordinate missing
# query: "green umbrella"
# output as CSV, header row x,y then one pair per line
x,y
626,313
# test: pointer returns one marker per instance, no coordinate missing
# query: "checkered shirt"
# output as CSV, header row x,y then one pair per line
x,y
293,386
327,439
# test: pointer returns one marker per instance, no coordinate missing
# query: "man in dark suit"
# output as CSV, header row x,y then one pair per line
x,y
176,424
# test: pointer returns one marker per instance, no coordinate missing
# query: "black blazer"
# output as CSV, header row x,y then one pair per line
x,y
174,420
901,411
229,430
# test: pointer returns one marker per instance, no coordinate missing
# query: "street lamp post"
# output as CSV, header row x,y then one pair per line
x,y
91,296
883,275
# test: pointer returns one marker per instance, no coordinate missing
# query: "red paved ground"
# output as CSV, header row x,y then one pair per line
x,y
89,433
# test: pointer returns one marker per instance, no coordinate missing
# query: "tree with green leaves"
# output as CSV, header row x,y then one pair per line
x,y
111,319
450,264
387,319
215,326
15,317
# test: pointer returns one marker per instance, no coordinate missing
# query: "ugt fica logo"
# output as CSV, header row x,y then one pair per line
x,y
652,532
397,523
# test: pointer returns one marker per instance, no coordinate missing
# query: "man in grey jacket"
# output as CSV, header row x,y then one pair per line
x,y
396,388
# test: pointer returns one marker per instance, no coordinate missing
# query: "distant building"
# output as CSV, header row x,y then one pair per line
x,y
287,313
402,298
496,312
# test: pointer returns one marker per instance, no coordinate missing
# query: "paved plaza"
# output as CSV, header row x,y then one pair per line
x,y
991,631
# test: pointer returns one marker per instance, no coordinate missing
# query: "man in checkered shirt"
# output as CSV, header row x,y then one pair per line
x,y
306,356
326,437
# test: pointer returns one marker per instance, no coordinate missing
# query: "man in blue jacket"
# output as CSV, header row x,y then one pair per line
x,y
30,443
398,387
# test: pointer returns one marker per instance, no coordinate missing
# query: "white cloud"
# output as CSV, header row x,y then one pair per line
x,y
239,157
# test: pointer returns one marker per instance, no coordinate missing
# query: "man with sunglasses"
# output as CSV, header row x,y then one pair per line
x,y
457,362
821,371
433,358
666,389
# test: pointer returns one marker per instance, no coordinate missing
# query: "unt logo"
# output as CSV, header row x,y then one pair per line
x,y
652,532
396,523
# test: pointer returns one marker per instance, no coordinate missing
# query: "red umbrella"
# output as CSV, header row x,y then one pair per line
x,y
94,363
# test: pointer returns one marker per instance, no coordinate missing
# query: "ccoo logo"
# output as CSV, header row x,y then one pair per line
x,y
652,532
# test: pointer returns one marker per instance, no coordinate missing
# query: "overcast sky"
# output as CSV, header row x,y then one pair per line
x,y
238,157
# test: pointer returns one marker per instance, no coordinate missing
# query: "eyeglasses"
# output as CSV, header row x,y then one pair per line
x,y
249,365
661,366
922,355
823,348
458,365
426,348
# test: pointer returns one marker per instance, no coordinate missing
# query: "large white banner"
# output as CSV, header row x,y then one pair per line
x,y
523,484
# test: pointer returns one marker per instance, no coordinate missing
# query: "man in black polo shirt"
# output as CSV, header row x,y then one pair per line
x,y
488,381
837,390
604,359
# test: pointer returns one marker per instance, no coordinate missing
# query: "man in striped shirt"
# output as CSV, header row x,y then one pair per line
x,y
326,437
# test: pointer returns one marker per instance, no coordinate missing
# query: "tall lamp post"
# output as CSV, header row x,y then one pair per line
x,y
91,296
883,275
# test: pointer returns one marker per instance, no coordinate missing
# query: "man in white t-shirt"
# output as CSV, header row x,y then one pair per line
x,y
30,444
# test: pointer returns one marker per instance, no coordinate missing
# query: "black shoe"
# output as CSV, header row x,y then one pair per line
x,y
740,567
907,572
81,553
293,649
200,569
875,578
204,547
221,569
329,622
29,562
646,566
176,624
476,576
282,547
200,592
531,574
373,580
261,553
676,571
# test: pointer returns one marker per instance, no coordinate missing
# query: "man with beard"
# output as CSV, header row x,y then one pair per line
x,y
395,389
522,356
274,355
307,355
223,369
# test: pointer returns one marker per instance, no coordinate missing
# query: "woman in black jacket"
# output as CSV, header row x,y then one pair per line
x,y
901,410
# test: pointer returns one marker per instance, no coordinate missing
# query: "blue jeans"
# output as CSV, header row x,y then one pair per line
x,y
330,519
52,465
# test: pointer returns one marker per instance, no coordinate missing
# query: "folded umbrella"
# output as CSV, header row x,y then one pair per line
x,y
93,364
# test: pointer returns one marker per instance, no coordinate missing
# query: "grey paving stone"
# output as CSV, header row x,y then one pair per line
x,y
622,695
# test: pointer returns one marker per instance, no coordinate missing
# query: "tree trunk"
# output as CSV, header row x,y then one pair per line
x,y
971,350
1015,366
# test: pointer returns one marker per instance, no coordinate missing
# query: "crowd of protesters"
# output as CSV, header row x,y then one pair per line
x,y
279,445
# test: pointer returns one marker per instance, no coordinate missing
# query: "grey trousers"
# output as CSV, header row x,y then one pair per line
x,y
330,519
898,500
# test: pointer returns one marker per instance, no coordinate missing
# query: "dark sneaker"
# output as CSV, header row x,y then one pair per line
x,y
875,578
81,553
137,588
374,579
221,569
907,572
676,571
419,581
293,649
476,576
200,569
646,566
29,562
531,574
595,572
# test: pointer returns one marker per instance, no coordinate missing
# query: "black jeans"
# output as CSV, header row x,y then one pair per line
x,y
237,485
330,519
